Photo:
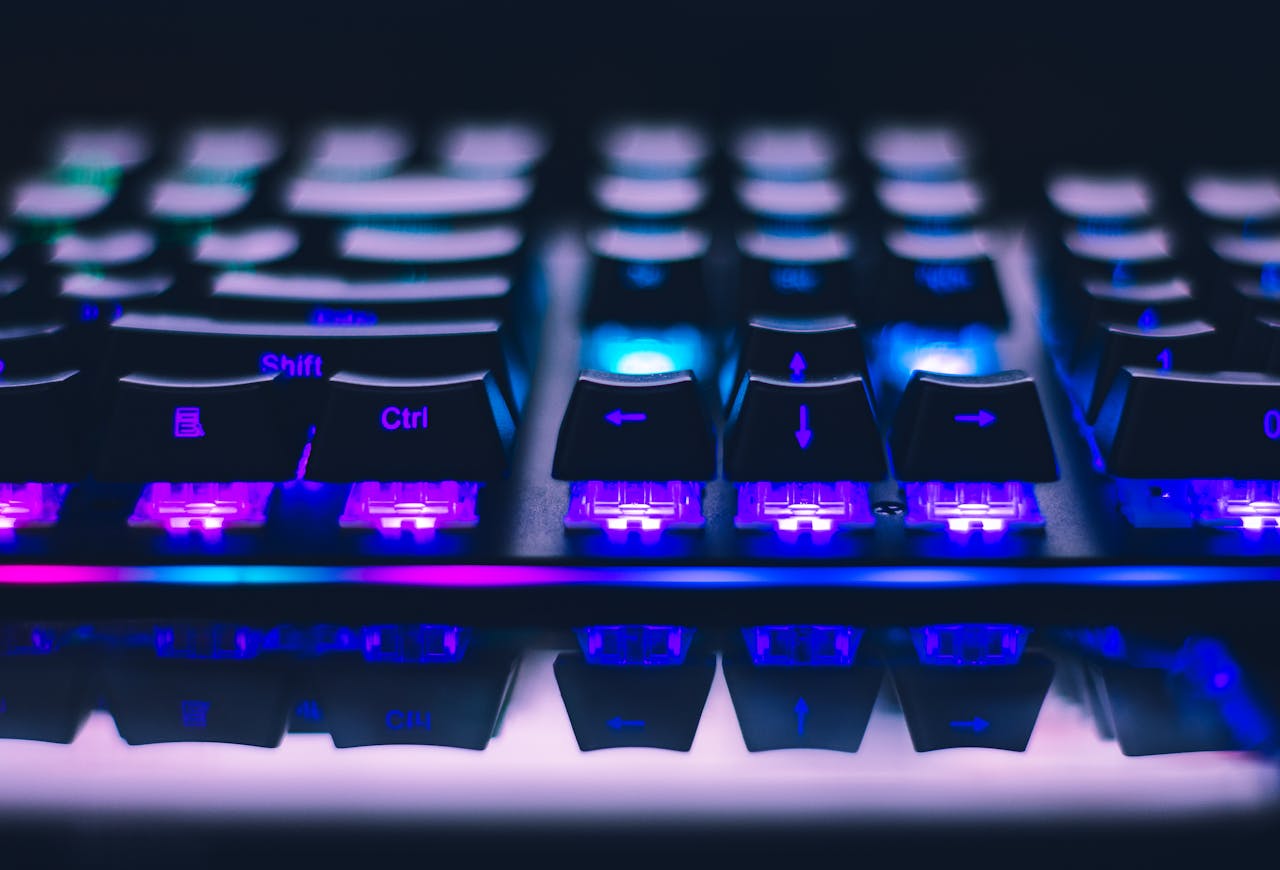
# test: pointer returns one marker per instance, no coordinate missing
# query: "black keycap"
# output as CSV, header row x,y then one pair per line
x,y
635,427
802,707
405,251
228,150
1171,424
919,150
812,430
991,706
190,429
936,279
786,151
255,245
42,438
1235,201
654,149
354,150
801,348
932,204
972,428
1139,256
36,349
1193,345
91,300
44,697
109,149
796,273
1153,712
1258,348
405,429
182,701
627,197
374,703
104,249
195,203
328,299
304,354
634,706
404,196
1102,200
41,201
648,277
25,295
1146,305
792,201
492,148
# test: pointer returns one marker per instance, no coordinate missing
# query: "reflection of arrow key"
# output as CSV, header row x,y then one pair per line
x,y
977,724
617,723
802,710
973,428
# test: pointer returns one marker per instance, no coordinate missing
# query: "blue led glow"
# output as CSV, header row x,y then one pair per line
x,y
341,317
629,350
794,279
644,276
969,644
27,640
802,645
635,645
943,278
904,348
1252,506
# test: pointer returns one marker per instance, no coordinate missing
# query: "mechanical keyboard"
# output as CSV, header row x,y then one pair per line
x,y
369,443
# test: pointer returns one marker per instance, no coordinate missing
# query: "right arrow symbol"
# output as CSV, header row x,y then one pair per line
x,y
803,434
977,724
983,418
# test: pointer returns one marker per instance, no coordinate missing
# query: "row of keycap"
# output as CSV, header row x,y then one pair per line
x,y
1147,708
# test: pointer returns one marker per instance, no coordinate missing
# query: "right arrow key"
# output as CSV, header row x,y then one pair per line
x,y
972,428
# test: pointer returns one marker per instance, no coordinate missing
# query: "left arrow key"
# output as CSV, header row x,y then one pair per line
x,y
635,428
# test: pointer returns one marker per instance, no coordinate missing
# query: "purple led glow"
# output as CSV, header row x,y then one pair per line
x,y
30,504
180,508
792,509
969,644
645,507
417,508
644,645
1249,505
962,508
802,645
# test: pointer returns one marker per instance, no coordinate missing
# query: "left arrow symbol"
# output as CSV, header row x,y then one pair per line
x,y
617,417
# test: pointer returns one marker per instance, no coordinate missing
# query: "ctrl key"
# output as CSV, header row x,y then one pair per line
x,y
436,704
175,701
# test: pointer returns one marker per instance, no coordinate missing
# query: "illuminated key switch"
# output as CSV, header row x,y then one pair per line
x,y
415,449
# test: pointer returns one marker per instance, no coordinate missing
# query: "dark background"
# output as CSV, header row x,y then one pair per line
x,y
1043,82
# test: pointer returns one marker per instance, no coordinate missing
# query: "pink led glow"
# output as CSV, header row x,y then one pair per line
x,y
29,504
207,508
644,507
793,509
417,508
